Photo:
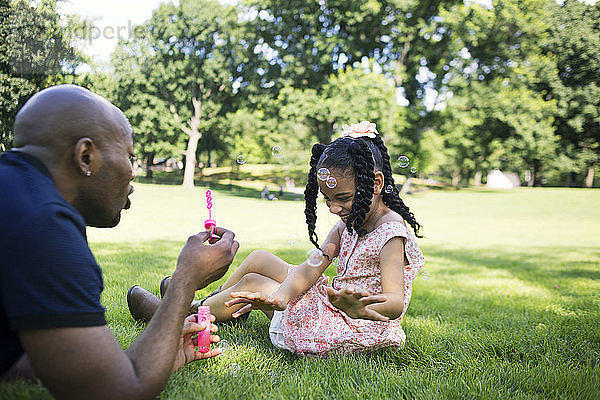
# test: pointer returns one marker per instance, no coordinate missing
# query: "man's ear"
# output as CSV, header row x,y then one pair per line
x,y
378,182
86,156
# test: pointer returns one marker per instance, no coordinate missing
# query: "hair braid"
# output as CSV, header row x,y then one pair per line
x,y
392,199
310,194
363,166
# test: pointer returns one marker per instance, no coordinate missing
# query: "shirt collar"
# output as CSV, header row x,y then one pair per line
x,y
36,163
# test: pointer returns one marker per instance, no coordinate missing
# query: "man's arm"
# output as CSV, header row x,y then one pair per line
x,y
89,363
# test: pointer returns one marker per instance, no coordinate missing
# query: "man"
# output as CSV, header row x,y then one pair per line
x,y
70,167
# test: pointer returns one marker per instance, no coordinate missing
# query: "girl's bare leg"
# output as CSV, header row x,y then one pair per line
x,y
260,262
261,271
252,282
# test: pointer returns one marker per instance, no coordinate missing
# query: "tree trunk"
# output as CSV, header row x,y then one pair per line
x,y
455,178
149,164
406,187
191,128
529,178
589,179
477,178
190,160
537,172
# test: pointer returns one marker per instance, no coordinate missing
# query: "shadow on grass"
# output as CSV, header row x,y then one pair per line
x,y
490,323
232,189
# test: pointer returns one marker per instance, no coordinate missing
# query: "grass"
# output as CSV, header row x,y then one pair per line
x,y
511,308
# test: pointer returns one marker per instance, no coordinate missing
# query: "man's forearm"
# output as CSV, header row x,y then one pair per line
x,y
154,351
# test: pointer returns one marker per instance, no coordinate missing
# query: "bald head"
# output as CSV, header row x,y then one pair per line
x,y
55,118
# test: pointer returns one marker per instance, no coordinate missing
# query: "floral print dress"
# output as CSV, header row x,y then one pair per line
x,y
311,325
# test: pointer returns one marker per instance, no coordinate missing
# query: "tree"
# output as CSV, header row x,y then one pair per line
x,y
156,132
35,52
574,42
303,43
349,96
498,116
195,65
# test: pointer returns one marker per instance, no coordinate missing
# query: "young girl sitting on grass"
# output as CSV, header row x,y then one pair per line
x,y
378,259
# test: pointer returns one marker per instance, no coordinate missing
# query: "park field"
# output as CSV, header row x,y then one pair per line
x,y
509,306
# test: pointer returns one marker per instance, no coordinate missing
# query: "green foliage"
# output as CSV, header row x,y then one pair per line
x,y
574,42
348,97
35,52
513,86
497,118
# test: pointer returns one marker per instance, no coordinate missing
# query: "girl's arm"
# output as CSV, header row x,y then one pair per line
x,y
387,305
297,281
304,275
392,261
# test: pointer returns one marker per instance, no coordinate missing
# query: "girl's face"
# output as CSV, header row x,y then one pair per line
x,y
340,198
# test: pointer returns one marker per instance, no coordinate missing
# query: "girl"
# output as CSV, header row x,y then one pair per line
x,y
378,259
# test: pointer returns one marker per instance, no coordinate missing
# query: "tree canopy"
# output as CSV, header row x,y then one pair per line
x,y
458,87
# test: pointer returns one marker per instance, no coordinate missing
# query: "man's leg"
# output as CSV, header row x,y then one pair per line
x,y
261,271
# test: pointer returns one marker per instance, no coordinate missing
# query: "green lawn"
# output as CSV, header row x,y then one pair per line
x,y
511,308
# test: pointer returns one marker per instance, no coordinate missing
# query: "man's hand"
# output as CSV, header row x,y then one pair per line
x,y
189,341
355,303
200,264
255,301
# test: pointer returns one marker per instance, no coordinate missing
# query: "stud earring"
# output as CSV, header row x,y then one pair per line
x,y
88,173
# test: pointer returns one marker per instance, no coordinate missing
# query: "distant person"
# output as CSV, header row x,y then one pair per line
x,y
280,191
378,254
71,168
264,193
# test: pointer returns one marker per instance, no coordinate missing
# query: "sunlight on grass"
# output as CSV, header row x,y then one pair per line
x,y
510,308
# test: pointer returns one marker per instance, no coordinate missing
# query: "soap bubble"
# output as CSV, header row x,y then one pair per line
x,y
241,159
224,345
389,189
274,377
277,151
293,240
413,170
331,182
541,327
403,161
234,369
323,174
314,257
425,275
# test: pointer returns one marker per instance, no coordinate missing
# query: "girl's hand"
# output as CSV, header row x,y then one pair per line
x,y
355,303
255,301
189,341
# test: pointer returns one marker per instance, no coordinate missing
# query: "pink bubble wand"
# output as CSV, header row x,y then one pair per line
x,y
209,223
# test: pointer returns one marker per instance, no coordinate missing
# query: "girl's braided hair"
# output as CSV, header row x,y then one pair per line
x,y
360,156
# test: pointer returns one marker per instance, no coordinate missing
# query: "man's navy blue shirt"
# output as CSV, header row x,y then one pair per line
x,y
48,275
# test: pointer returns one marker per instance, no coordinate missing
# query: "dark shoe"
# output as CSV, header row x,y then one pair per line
x,y
164,284
142,304
217,290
